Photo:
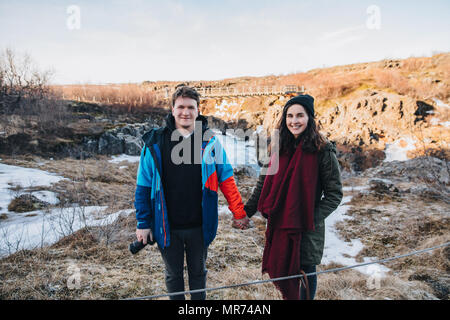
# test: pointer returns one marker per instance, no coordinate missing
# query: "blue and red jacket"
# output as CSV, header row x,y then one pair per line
x,y
217,172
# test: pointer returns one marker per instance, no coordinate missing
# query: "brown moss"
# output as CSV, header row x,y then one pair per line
x,y
25,203
81,239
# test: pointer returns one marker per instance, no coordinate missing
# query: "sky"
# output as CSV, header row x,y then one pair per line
x,y
123,41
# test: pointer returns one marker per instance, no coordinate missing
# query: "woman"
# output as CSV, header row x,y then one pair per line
x,y
296,199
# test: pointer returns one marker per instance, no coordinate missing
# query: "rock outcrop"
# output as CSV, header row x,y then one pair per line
x,y
367,124
126,139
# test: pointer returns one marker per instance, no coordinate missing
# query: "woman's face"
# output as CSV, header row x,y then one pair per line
x,y
296,119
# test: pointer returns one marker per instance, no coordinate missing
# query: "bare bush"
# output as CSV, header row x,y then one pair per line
x,y
11,240
25,92
20,80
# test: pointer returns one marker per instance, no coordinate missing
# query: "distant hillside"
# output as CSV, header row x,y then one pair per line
x,y
367,108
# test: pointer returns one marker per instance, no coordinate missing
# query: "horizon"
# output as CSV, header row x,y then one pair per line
x,y
247,76
120,42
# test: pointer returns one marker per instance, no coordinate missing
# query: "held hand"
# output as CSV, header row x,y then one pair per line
x,y
142,235
241,223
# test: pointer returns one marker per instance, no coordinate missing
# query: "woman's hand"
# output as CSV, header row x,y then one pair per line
x,y
242,224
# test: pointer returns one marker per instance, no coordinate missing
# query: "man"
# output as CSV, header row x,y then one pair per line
x,y
176,196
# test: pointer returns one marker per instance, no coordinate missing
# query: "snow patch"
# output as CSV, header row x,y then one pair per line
x,y
11,176
46,196
339,251
335,248
35,229
398,150
357,188
124,157
441,104
38,228
435,121
222,108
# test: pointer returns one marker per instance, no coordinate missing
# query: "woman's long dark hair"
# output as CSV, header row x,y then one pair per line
x,y
313,141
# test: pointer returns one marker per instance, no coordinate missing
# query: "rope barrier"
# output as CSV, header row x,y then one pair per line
x,y
290,277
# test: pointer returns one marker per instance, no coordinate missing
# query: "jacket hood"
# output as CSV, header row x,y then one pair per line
x,y
329,146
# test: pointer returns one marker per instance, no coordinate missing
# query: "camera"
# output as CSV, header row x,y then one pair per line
x,y
137,246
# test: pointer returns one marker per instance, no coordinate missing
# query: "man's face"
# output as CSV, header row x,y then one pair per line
x,y
185,111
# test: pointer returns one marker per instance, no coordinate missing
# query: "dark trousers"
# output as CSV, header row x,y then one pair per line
x,y
191,242
312,282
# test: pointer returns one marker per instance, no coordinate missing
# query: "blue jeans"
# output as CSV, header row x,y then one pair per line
x,y
191,242
312,282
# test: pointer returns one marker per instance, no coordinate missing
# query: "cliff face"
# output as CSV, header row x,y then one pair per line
x,y
366,117
386,110
376,119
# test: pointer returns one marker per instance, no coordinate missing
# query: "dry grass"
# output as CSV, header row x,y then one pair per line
x,y
399,223
127,97
108,271
420,78
352,285
89,182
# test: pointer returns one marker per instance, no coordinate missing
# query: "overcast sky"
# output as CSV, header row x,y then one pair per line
x,y
132,41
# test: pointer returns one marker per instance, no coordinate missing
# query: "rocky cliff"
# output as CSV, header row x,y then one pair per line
x,y
371,120
385,110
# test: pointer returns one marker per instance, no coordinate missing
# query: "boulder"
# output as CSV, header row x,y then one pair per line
x,y
90,145
110,144
382,186
245,170
132,145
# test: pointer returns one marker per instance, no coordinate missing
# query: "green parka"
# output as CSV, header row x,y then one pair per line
x,y
328,197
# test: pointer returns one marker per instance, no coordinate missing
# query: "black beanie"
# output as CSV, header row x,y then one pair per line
x,y
305,100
